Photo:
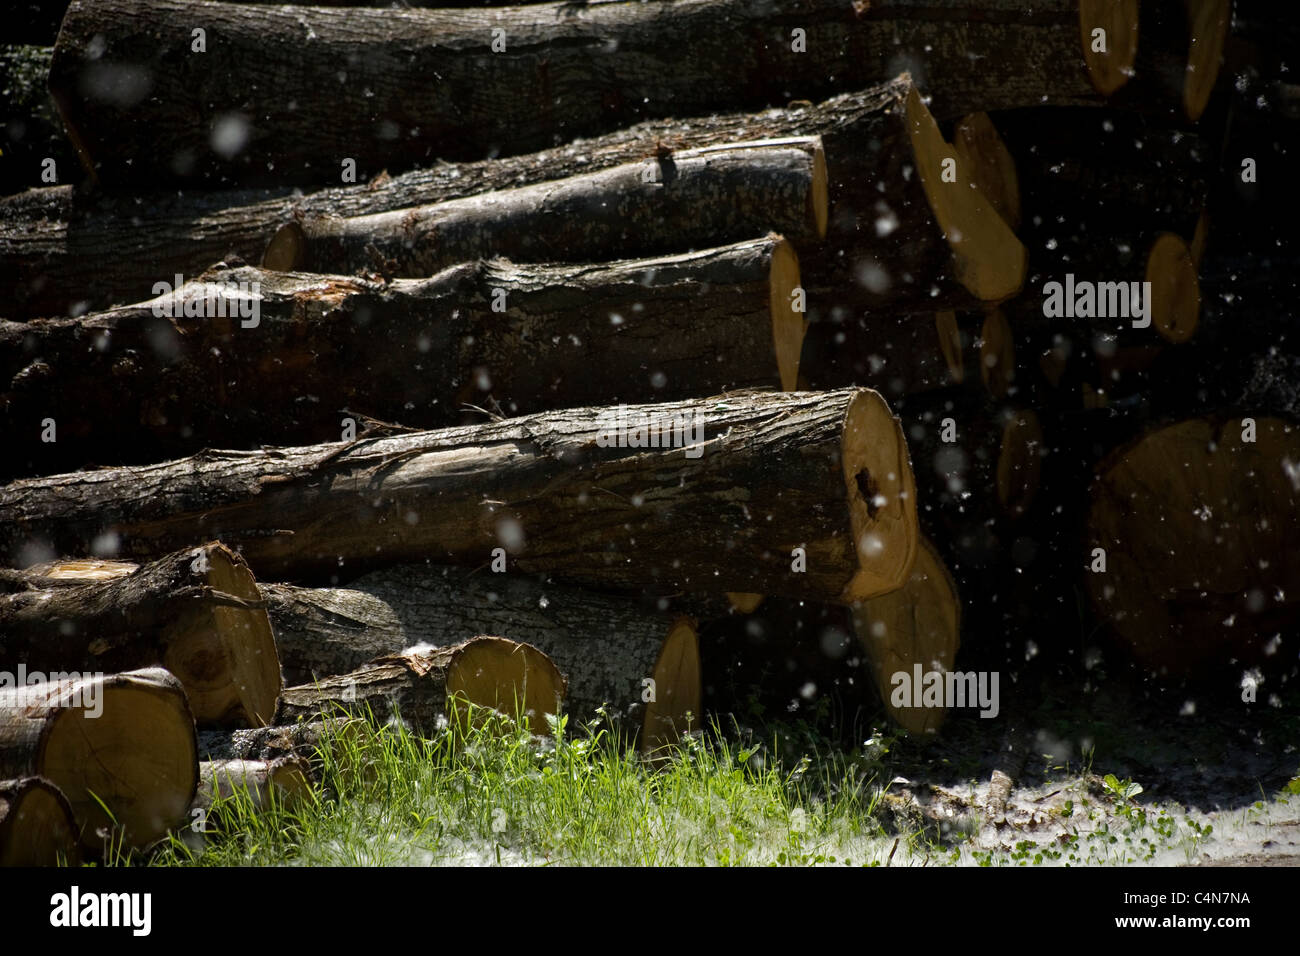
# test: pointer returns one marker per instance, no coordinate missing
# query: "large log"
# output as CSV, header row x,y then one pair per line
x,y
1196,524
511,79
891,238
663,204
197,613
429,687
125,740
605,646
753,476
36,825
188,370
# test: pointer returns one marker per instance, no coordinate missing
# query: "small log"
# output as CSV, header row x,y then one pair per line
x,y
691,199
992,169
196,612
754,476
305,741
126,740
1198,526
36,825
917,625
283,781
605,646
137,383
509,80
428,687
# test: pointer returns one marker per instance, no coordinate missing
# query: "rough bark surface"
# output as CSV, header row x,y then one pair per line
x,y
605,645
660,205
130,385
767,473
565,71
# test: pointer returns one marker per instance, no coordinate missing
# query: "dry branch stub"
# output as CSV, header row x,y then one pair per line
x,y
195,612
582,494
125,739
527,337
428,687
913,631
687,199
36,825
1198,528
640,666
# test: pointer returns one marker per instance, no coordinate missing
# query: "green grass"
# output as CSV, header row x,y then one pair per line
x,y
499,795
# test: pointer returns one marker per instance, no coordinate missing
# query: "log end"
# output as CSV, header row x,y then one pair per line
x,y
788,325
1207,22
919,624
988,259
507,676
676,707
1175,289
743,602
127,741
287,249
36,825
882,497
997,354
945,324
981,150
1111,68
1019,462
224,654
819,197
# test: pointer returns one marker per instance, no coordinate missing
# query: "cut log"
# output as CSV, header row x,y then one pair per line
x,y
282,781
197,613
605,646
909,633
63,252
133,384
306,741
429,687
589,495
997,350
694,199
885,245
1198,526
126,740
36,825
511,79
991,168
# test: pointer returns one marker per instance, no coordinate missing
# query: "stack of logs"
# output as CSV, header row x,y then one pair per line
x,y
384,362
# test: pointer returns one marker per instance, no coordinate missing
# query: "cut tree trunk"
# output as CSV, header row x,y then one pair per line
x,y
605,646
661,205
515,338
917,626
126,740
196,612
508,80
429,687
588,495
1198,528
890,239
306,741
281,781
36,825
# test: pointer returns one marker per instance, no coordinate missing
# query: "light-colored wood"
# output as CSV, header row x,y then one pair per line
x,y
36,825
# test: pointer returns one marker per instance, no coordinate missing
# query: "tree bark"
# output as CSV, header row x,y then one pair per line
x,y
605,646
135,384
891,239
550,70
661,205
36,825
283,780
428,687
302,741
197,613
126,739
753,477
